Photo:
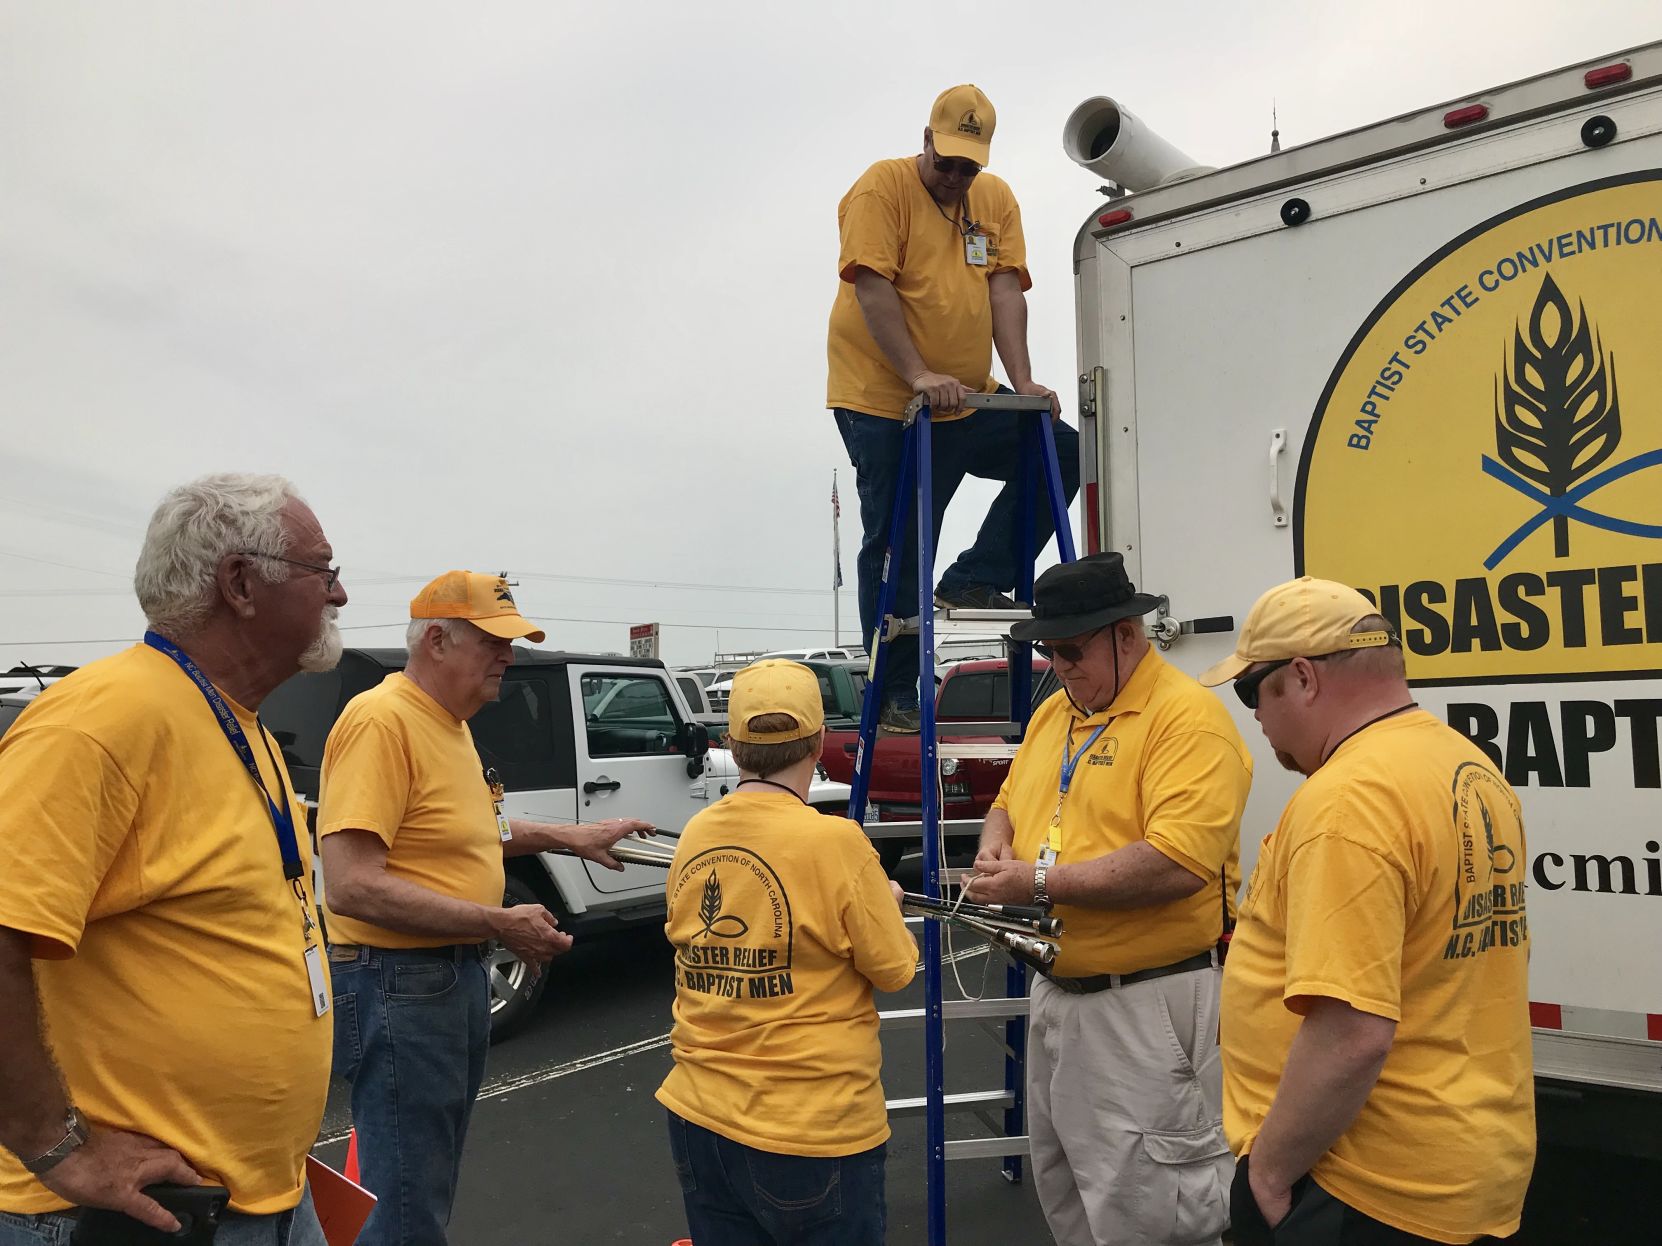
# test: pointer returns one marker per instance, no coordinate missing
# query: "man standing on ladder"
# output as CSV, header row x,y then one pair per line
x,y
1123,809
933,272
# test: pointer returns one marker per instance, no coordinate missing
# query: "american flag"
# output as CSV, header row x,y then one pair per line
x,y
836,534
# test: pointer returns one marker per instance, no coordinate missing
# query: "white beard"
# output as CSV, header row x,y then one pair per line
x,y
323,654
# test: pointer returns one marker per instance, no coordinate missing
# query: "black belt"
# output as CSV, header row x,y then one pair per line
x,y
1108,981
449,951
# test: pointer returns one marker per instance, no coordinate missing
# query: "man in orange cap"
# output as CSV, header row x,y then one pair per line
x,y
1377,1078
413,837
933,272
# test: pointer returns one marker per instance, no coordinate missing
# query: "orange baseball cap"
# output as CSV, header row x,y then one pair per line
x,y
485,601
961,124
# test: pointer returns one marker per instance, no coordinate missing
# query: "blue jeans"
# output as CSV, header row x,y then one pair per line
x,y
285,1228
986,444
411,1032
738,1196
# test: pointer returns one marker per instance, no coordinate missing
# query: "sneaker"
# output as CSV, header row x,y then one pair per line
x,y
899,720
975,597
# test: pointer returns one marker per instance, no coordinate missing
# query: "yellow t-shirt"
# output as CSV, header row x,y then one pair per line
x,y
890,224
141,857
402,767
1168,768
782,923
1395,882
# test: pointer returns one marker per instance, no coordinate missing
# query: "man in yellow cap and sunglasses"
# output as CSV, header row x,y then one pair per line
x,y
1377,1073
933,273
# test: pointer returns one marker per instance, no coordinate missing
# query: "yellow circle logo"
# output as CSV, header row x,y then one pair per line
x,y
1486,461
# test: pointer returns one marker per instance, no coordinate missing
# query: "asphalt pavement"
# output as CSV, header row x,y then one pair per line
x,y
568,1145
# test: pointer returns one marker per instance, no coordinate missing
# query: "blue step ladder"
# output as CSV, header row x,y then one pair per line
x,y
1038,463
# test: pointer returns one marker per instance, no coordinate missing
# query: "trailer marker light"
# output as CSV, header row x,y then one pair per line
x,y
1465,116
1109,219
1609,76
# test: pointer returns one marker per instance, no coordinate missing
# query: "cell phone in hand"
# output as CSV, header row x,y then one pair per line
x,y
198,1209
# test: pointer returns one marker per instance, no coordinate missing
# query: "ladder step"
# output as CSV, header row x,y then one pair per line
x,y
964,621
978,728
956,1010
987,1148
991,402
964,1101
988,751
913,829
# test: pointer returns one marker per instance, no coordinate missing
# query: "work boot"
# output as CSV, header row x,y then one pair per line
x,y
900,720
976,597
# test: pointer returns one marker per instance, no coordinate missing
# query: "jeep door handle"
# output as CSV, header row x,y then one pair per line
x,y
606,785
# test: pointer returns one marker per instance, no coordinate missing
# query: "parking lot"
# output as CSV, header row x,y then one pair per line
x,y
568,1144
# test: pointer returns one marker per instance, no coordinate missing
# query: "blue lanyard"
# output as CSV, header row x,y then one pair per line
x,y
1070,761
282,819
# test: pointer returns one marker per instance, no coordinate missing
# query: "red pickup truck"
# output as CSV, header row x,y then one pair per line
x,y
970,691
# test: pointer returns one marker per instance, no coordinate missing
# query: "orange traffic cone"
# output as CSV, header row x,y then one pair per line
x,y
351,1170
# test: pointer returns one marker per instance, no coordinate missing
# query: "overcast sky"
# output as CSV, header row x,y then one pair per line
x,y
543,287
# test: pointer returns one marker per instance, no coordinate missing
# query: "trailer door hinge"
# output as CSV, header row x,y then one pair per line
x,y
1088,391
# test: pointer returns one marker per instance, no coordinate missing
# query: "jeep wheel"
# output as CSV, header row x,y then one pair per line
x,y
514,993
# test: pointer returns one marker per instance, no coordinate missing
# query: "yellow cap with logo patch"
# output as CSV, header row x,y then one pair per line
x,y
1303,618
961,124
776,686
486,601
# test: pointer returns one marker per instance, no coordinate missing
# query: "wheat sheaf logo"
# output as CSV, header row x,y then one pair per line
x,y
715,922
1557,422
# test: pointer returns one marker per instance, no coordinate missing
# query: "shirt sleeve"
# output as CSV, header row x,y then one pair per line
x,y
66,814
1012,243
870,232
884,950
366,780
1346,917
1194,789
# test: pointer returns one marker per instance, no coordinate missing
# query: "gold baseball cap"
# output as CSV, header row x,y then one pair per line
x,y
776,686
961,124
486,601
1303,618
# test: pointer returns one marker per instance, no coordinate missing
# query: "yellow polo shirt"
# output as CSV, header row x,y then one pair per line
x,y
783,923
401,766
1395,882
1170,770
141,858
890,224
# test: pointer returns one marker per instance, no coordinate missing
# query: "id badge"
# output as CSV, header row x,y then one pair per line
x,y
314,977
502,828
975,250
1047,856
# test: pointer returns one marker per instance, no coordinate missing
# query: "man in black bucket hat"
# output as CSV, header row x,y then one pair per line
x,y
1122,809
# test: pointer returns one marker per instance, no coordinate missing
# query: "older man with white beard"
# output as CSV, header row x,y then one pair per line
x,y
164,997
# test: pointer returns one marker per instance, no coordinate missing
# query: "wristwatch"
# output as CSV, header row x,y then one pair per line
x,y
1041,893
75,1135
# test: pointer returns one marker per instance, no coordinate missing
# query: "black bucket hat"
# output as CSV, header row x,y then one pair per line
x,y
1081,596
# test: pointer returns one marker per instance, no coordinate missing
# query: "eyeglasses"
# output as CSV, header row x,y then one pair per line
x,y
1067,652
331,575
956,168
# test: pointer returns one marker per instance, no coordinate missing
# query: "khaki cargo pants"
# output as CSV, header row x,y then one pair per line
x,y
1125,1112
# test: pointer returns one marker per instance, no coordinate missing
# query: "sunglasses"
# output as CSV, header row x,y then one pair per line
x,y
1068,653
1246,687
956,168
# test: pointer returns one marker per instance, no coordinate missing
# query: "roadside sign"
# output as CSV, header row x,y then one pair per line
x,y
643,640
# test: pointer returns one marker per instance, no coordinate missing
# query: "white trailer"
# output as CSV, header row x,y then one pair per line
x,y
1425,358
